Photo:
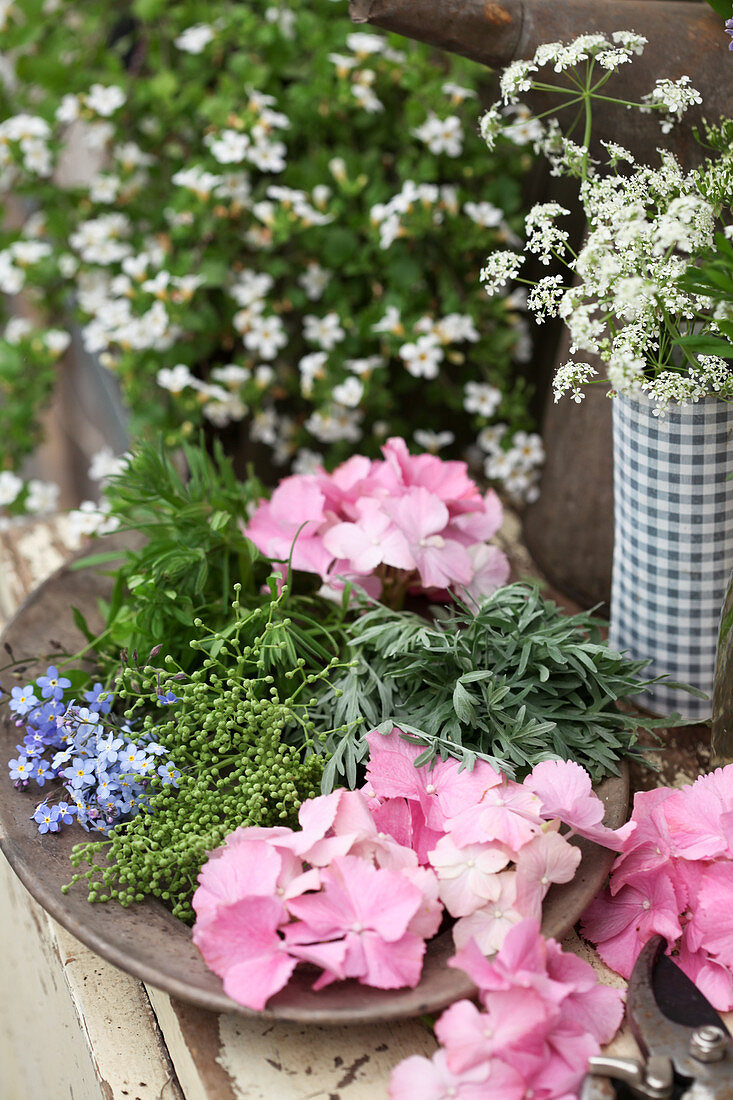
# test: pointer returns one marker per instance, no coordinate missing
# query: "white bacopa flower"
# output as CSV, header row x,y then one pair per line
x,y
457,92
529,449
20,127
433,441
367,98
264,376
251,286
266,336
104,188
489,439
106,464
175,379
195,179
312,368
348,393
42,498
442,135
307,462
228,146
29,252
314,280
104,99
481,398
455,328
231,375
225,410
12,278
268,156
17,329
195,39
36,156
391,322
324,331
335,425
364,367
10,487
56,340
364,43
68,109
423,358
484,214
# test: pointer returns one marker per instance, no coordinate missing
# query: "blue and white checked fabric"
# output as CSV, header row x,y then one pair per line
x,y
673,542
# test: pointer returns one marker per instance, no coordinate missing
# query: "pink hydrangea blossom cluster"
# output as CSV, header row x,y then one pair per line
x,y
337,893
361,886
542,1015
407,522
493,843
674,877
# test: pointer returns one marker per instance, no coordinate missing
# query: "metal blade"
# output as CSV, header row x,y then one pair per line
x,y
664,1007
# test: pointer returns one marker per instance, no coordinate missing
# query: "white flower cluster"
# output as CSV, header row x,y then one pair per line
x,y
29,135
412,198
360,76
195,39
442,135
711,376
255,145
516,465
40,496
422,358
642,228
16,259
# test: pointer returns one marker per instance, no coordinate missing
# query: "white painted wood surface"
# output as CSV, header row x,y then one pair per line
x,y
73,1026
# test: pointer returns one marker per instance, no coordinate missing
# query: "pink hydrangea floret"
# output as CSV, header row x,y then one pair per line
x,y
674,877
410,522
542,1014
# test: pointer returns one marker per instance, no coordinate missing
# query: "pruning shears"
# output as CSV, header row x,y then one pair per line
x,y
687,1049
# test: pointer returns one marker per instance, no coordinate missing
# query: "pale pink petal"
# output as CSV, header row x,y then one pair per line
x,y
694,817
356,895
489,925
251,867
392,965
546,859
490,570
711,926
562,1072
468,875
429,916
430,1079
241,944
565,791
714,980
391,770
508,813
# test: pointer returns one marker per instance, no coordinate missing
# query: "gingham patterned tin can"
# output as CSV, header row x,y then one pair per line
x,y
673,542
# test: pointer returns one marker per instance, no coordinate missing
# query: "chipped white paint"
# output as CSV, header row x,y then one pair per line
x,y
293,1062
71,1025
190,1071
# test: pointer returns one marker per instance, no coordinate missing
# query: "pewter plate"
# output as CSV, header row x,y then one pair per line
x,y
146,940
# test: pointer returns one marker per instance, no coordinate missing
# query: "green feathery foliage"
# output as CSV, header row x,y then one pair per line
x,y
514,683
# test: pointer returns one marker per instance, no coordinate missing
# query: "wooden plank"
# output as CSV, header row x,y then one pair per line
x,y
70,1023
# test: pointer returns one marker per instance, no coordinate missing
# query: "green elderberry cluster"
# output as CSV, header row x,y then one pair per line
x,y
239,732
